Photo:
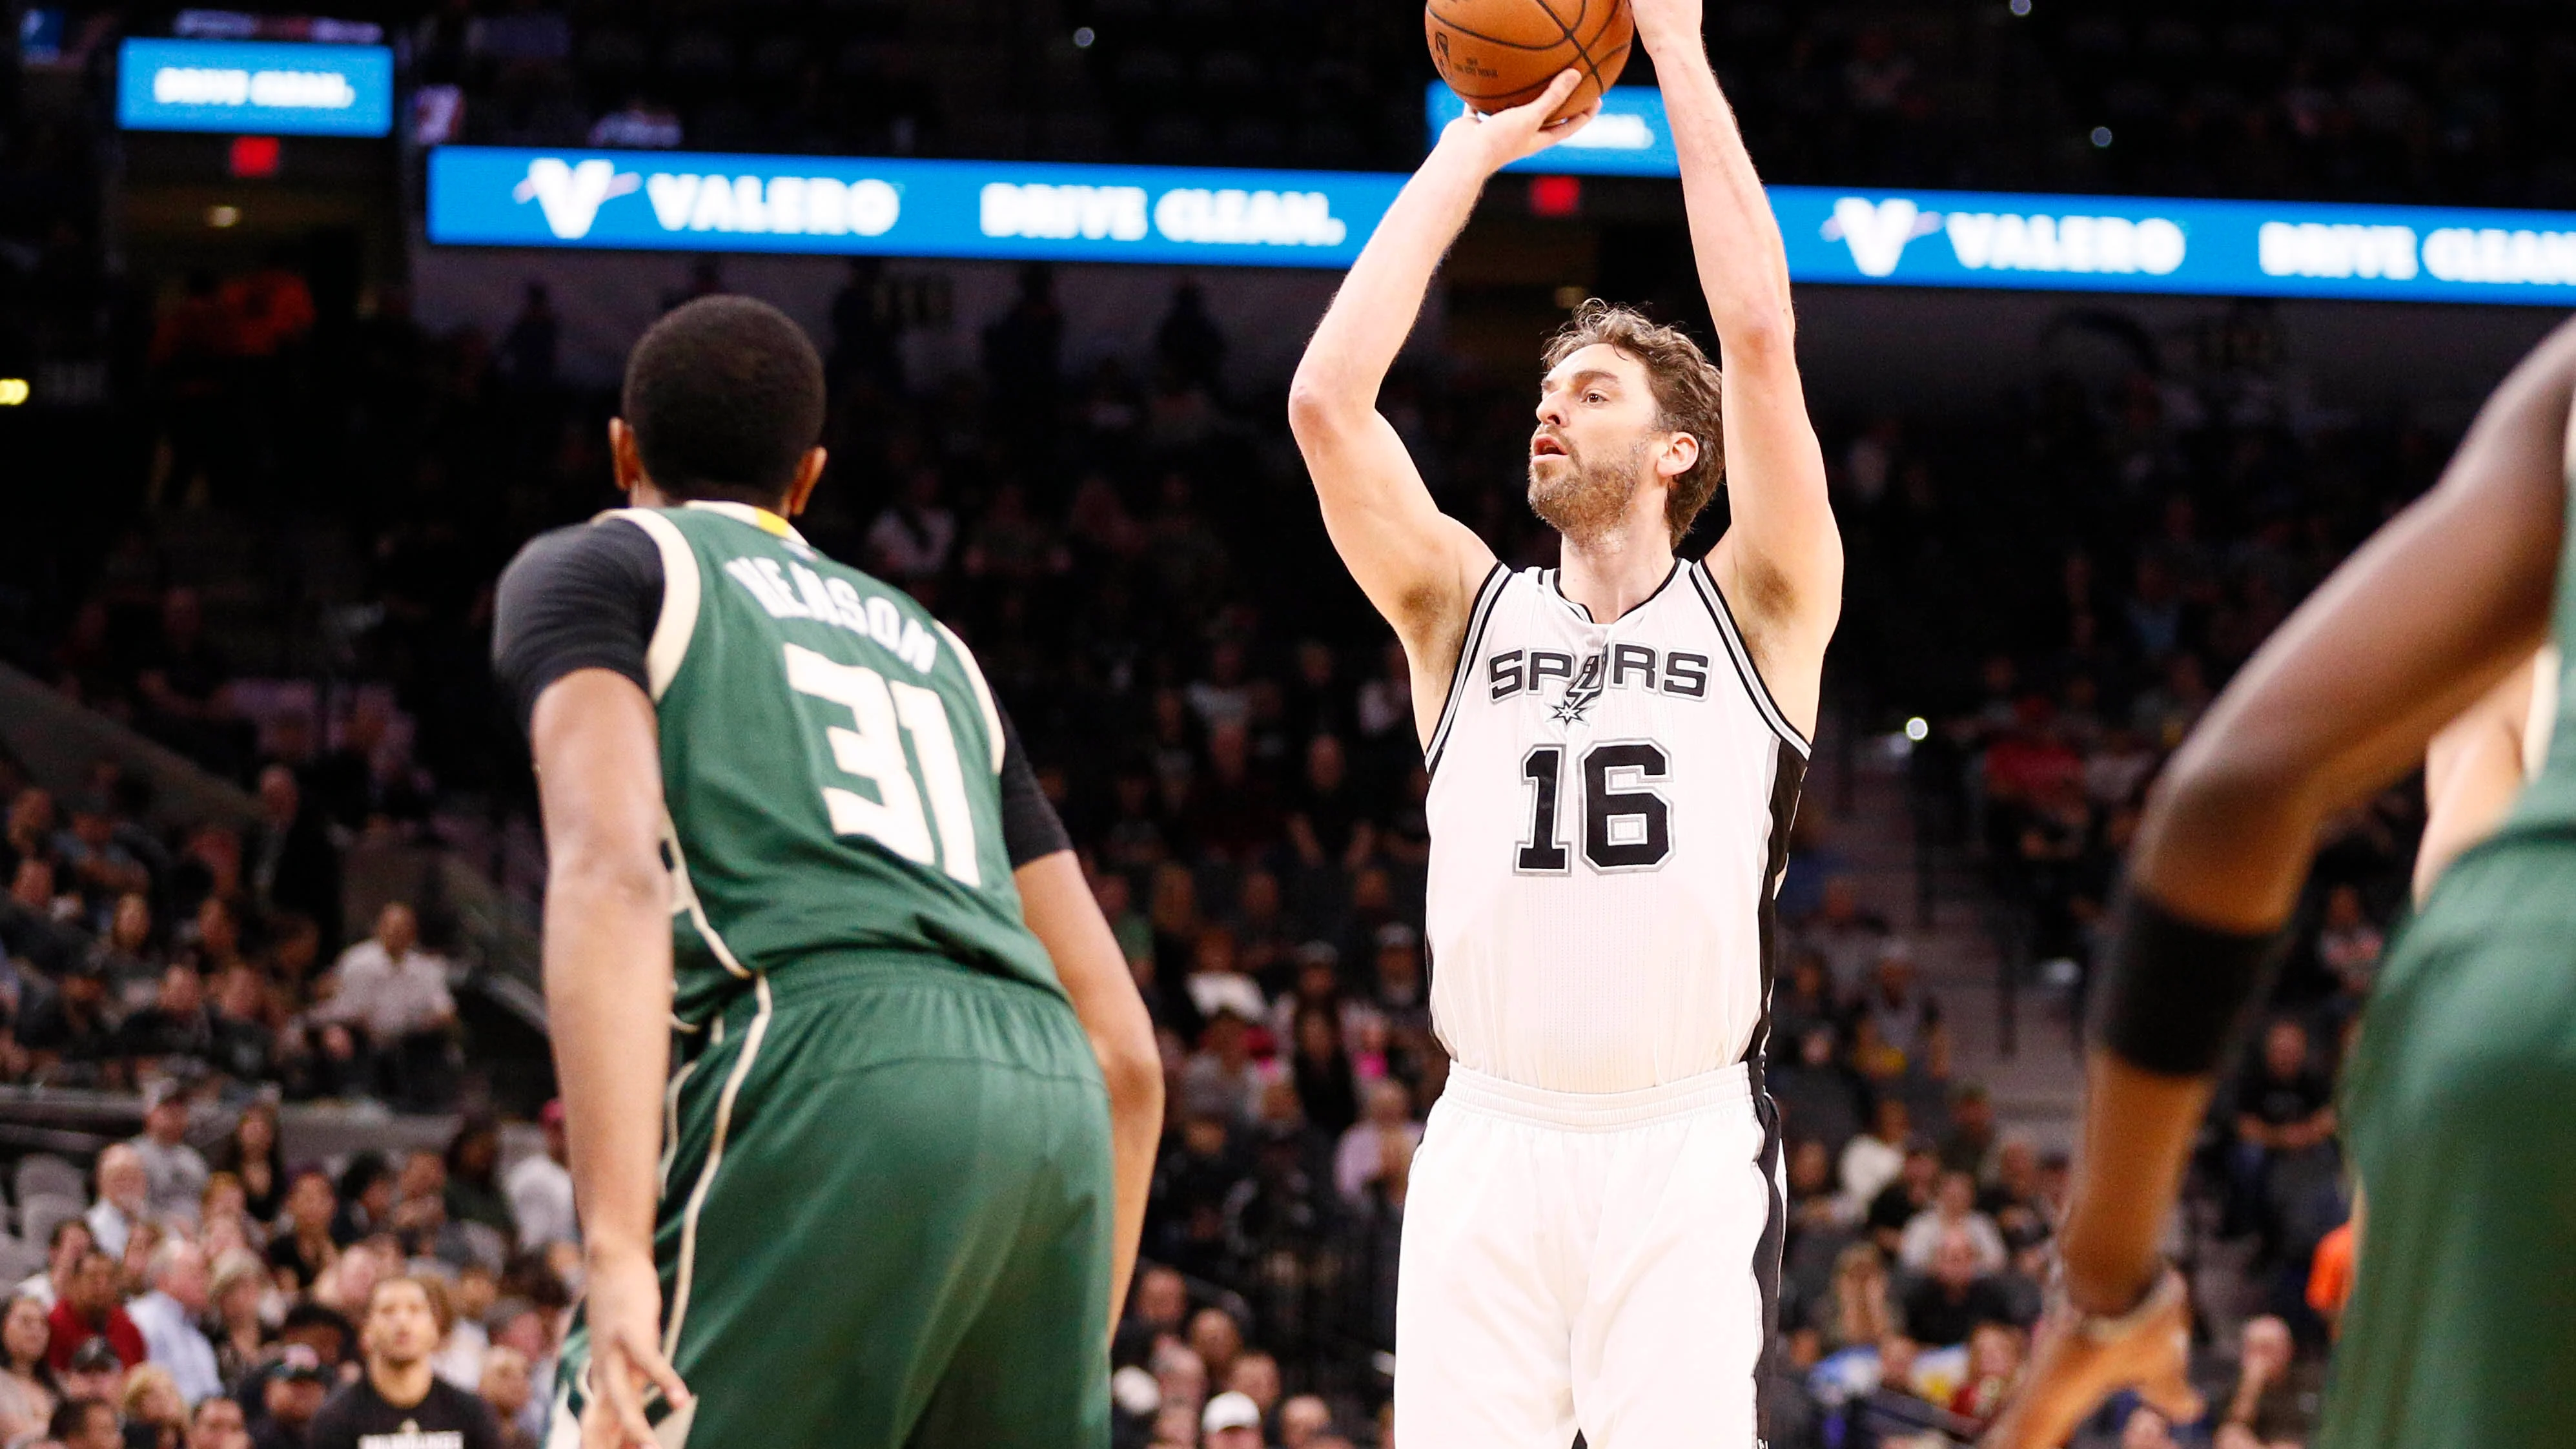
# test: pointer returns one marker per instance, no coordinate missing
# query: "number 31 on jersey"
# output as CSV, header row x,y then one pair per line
x,y
884,711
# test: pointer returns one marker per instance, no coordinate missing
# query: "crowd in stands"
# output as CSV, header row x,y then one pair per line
x,y
132,959
2094,604
235,1298
1229,735
2059,586
2370,102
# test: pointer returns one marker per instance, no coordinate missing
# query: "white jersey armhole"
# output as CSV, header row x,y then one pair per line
x,y
1486,594
1715,598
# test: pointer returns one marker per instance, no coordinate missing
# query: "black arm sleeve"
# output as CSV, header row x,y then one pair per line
x,y
584,597
1030,827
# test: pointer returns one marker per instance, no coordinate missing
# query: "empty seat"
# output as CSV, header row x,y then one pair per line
x,y
19,1259
1148,70
1251,141
42,1172
1179,137
612,55
1230,73
777,57
698,55
40,1213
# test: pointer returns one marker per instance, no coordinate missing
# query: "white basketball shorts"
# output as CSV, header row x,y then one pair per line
x,y
1608,1262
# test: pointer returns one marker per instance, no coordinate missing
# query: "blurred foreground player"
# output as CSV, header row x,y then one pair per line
x,y
2462,1325
785,820
1593,1225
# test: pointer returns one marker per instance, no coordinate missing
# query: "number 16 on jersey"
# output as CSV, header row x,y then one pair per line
x,y
1627,823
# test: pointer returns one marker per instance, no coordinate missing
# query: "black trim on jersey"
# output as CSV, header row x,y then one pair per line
x,y
1766,1264
1789,772
585,596
1031,830
1487,592
1556,591
1715,599
1555,585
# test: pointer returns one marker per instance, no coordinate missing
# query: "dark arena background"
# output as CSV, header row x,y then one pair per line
x,y
2122,324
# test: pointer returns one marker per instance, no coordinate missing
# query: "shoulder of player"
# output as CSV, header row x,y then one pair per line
x,y
605,543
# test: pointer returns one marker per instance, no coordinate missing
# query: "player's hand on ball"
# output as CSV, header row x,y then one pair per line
x,y
2072,1370
624,1311
1506,136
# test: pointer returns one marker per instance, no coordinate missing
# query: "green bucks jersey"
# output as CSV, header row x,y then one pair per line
x,y
831,762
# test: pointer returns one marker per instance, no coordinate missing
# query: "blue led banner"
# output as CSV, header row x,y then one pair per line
x,y
682,201
255,86
2211,248
1628,138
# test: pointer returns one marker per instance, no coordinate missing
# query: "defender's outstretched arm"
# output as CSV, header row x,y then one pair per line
x,y
2419,623
1782,558
1417,566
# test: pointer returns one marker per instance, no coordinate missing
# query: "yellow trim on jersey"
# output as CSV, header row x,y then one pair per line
x,y
760,518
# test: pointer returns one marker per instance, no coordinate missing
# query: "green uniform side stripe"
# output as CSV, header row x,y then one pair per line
x,y
685,901
715,1159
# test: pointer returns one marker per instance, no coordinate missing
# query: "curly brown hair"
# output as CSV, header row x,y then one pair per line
x,y
1687,388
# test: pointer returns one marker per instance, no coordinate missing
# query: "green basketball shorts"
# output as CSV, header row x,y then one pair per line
x,y
885,1217
2461,1332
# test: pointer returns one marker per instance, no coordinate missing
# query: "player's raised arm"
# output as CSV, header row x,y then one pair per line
x,y
1417,566
1782,559
2334,707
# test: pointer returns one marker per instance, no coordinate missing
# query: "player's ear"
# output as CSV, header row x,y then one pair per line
x,y
623,461
1679,454
809,471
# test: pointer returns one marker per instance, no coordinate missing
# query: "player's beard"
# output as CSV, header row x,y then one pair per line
x,y
1584,499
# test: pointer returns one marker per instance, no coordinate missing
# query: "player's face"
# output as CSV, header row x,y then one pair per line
x,y
1589,451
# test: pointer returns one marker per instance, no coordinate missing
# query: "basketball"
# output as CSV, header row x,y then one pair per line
x,y
1497,54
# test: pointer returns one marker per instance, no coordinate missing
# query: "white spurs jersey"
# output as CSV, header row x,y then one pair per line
x,y
1610,807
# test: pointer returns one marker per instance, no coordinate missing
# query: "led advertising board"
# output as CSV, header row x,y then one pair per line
x,y
266,87
684,201
1628,138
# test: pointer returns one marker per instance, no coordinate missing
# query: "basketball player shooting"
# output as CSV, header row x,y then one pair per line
x,y
1593,1223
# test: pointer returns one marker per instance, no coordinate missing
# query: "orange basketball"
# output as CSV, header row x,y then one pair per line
x,y
1497,54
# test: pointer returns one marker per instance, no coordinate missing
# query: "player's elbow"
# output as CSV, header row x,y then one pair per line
x,y
1131,1067
1757,334
2220,791
585,879
1322,407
